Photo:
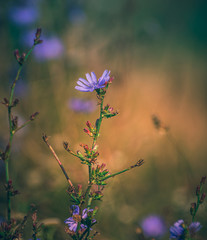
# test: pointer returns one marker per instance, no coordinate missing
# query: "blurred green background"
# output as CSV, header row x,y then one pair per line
x,y
156,50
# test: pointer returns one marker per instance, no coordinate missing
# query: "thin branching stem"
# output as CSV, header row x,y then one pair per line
x,y
138,164
11,133
45,138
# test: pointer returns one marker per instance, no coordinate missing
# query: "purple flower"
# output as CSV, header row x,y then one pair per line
x,y
76,218
51,48
79,105
23,15
194,227
179,230
92,83
153,226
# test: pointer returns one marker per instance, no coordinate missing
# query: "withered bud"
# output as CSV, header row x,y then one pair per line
x,y
15,102
203,180
15,122
6,101
139,163
16,54
45,137
21,59
203,196
33,116
193,205
156,121
66,146
38,33
193,208
37,40
198,191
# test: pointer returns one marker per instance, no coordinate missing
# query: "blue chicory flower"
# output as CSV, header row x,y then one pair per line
x,y
153,226
73,221
92,83
177,231
80,105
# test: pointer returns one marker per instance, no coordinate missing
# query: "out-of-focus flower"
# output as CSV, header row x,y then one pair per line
x,y
77,15
194,227
52,48
76,218
179,229
153,226
24,15
92,83
79,105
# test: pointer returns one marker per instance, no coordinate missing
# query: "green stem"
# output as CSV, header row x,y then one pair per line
x,y
89,188
22,126
197,207
99,123
93,144
11,134
138,164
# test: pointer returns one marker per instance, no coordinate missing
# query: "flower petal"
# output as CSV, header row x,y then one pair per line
x,y
89,78
84,81
75,209
94,78
84,89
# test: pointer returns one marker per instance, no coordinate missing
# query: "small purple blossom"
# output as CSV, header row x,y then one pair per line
x,y
73,221
153,226
178,230
92,83
80,105
23,15
51,48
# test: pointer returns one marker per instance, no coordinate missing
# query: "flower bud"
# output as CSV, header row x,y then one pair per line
x,y
202,197
88,124
16,54
198,191
33,116
193,208
203,180
15,102
38,33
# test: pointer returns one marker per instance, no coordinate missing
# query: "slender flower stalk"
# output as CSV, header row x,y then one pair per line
x,y
45,138
13,121
138,164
